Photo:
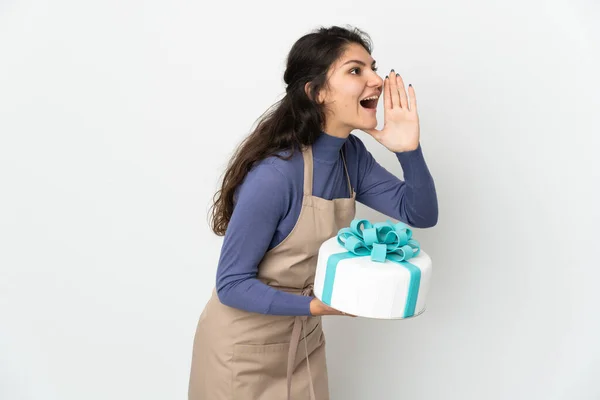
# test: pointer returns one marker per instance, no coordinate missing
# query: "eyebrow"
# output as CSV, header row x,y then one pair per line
x,y
359,62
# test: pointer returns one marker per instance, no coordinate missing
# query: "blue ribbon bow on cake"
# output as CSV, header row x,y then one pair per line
x,y
381,241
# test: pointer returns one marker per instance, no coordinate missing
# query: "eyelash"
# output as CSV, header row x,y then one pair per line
x,y
374,69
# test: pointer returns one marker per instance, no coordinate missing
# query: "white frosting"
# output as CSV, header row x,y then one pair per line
x,y
371,289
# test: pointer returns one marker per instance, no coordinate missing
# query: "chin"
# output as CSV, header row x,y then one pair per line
x,y
364,123
368,125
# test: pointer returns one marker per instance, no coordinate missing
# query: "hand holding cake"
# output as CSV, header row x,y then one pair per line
x,y
317,307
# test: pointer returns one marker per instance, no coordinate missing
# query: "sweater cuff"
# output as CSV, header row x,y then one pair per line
x,y
410,154
290,304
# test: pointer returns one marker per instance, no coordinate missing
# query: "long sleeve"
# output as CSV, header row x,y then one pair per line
x,y
413,201
262,201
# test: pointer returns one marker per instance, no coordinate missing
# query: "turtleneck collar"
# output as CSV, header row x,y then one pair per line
x,y
327,147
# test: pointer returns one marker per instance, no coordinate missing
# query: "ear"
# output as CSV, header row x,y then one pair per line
x,y
307,88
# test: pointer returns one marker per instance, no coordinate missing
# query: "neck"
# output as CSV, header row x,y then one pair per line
x,y
342,131
327,147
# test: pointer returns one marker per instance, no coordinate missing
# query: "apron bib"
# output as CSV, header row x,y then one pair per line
x,y
250,356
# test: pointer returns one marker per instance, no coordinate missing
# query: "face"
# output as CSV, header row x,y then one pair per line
x,y
351,78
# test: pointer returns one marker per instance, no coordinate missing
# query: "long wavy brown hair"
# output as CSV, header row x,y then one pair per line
x,y
294,121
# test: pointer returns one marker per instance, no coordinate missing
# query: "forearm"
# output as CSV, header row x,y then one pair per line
x,y
419,204
413,200
251,294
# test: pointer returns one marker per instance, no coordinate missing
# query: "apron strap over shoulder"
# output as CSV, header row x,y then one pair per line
x,y
307,155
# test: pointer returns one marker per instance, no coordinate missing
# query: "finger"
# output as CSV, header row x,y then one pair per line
x,y
402,92
413,99
387,99
394,89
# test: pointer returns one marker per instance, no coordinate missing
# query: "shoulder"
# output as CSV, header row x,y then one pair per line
x,y
272,179
288,164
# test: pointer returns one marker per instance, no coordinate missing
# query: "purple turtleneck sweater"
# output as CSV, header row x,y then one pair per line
x,y
268,202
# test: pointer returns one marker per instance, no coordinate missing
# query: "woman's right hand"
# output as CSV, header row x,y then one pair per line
x,y
317,307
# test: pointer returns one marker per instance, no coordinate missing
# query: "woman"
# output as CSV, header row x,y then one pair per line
x,y
290,186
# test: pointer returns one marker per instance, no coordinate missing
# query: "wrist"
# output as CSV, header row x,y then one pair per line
x,y
408,149
315,307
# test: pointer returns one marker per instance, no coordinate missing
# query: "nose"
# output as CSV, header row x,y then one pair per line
x,y
375,80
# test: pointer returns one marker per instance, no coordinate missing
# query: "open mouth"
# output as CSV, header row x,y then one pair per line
x,y
370,104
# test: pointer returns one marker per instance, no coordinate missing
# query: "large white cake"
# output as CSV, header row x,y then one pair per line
x,y
383,289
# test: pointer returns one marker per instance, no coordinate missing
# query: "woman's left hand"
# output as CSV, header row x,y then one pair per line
x,y
401,122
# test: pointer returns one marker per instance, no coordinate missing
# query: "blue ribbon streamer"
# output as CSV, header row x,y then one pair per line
x,y
381,241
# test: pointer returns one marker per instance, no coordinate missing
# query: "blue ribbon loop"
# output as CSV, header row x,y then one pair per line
x,y
381,241
378,240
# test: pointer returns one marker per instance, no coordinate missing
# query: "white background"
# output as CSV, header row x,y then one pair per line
x,y
117,120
